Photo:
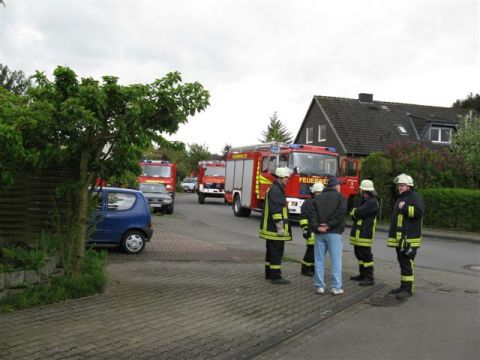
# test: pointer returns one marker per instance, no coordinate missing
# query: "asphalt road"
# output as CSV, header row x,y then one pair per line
x,y
216,222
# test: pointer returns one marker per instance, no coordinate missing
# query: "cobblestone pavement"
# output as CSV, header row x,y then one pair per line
x,y
182,298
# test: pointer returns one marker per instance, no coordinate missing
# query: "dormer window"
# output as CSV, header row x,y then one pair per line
x,y
441,135
401,129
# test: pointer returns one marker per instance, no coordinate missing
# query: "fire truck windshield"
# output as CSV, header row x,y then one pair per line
x,y
215,171
314,164
156,171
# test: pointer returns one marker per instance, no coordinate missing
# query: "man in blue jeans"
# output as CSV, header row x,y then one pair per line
x,y
328,220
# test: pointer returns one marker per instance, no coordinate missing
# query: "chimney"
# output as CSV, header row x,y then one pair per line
x,y
365,98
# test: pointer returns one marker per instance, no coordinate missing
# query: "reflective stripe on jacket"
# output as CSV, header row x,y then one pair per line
x,y
275,209
406,225
364,222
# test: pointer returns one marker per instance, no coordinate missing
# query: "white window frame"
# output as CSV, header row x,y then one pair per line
x,y
322,135
309,135
439,140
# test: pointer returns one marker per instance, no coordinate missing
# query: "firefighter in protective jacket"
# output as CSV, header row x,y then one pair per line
x,y
274,226
405,233
306,211
363,232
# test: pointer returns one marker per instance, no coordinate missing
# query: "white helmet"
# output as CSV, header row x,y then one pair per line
x,y
403,179
317,187
367,185
283,172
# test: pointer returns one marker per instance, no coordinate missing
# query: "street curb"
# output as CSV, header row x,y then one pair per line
x,y
252,352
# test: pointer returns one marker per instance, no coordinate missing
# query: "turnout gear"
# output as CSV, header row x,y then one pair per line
x,y
405,233
362,235
308,262
275,229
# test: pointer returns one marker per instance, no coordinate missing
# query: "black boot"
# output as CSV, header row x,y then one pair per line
x,y
368,281
360,277
405,293
307,271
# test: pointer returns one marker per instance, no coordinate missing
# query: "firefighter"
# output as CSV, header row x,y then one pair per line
x,y
274,226
308,263
405,233
363,232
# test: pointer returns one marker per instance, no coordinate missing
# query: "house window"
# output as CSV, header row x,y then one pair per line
x,y
322,132
440,135
309,137
401,129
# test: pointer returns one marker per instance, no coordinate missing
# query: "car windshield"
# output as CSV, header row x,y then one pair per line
x,y
153,188
156,170
314,164
215,171
189,180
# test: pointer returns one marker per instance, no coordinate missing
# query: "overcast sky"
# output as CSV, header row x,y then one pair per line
x,y
255,56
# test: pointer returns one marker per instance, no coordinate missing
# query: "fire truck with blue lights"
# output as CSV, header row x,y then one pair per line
x,y
249,173
159,171
210,179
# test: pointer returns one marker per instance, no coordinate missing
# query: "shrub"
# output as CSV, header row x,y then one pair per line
x,y
378,168
92,280
452,208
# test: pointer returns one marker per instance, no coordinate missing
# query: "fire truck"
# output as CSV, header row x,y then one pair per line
x,y
250,169
159,171
211,179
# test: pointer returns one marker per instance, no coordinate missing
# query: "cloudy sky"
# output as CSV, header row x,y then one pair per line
x,y
255,56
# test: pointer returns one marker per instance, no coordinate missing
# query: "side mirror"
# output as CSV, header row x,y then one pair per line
x,y
296,169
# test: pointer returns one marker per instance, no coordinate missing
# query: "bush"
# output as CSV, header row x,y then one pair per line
x,y
452,208
92,280
378,168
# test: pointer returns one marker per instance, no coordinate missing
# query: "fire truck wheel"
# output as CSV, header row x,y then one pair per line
x,y
238,209
133,242
201,198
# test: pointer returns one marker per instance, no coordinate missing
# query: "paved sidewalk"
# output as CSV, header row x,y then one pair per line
x,y
181,299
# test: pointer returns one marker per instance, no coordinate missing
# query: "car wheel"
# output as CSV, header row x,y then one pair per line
x,y
133,242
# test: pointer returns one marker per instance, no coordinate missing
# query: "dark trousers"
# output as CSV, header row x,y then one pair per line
x,y
406,268
273,259
308,263
365,260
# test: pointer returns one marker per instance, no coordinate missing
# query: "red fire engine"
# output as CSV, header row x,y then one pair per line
x,y
211,179
249,174
159,171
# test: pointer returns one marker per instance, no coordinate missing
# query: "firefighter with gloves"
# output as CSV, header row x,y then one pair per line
x,y
405,233
363,232
308,262
274,226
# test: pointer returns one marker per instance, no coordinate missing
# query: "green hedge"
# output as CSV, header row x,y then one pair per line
x,y
452,208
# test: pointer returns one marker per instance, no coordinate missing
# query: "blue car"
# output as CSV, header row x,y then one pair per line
x,y
122,217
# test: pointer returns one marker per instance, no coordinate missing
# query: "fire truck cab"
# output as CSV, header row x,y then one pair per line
x,y
250,169
210,179
159,171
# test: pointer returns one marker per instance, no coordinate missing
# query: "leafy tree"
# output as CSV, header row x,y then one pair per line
x,y
99,128
472,102
196,153
465,144
15,81
276,131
